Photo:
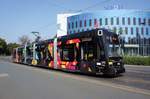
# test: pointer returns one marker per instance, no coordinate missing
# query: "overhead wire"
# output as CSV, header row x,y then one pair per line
x,y
94,5
74,11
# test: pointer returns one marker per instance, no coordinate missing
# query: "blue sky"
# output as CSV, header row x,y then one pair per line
x,y
21,17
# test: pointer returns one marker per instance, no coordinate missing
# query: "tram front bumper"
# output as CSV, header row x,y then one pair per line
x,y
119,67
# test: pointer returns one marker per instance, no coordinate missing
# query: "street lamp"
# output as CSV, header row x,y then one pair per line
x,y
37,34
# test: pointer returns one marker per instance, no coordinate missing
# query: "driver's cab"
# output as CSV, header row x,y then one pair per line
x,y
110,44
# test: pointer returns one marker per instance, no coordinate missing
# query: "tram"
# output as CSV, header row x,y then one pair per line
x,y
96,51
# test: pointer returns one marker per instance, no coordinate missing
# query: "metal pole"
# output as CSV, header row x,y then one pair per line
x,y
143,44
25,53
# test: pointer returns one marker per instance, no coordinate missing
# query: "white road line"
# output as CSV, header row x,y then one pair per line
x,y
136,71
4,75
129,80
137,66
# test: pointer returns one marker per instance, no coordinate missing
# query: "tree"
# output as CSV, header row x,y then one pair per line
x,y
10,48
3,46
24,40
6,49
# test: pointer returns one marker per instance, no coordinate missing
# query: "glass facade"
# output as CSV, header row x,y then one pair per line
x,y
132,25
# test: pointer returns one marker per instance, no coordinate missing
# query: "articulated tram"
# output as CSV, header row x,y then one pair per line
x,y
96,52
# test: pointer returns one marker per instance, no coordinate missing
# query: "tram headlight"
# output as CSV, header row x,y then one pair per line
x,y
98,63
118,63
103,63
110,63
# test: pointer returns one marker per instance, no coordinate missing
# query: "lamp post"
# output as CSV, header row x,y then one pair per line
x,y
37,34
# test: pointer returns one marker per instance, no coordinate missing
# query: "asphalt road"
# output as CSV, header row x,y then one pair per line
x,y
25,82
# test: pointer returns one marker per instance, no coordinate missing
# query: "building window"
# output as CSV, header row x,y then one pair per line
x,y
112,21
84,23
134,21
72,25
126,30
100,21
78,31
142,30
106,21
90,22
80,23
123,21
76,24
132,41
139,21
132,31
115,29
95,23
146,31
129,22
129,40
68,25
137,30
118,21
144,22
149,22
120,30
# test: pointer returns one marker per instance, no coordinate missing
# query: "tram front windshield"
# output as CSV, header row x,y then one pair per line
x,y
113,46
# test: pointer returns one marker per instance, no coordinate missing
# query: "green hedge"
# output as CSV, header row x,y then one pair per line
x,y
137,60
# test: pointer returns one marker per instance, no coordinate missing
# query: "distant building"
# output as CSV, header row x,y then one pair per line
x,y
132,25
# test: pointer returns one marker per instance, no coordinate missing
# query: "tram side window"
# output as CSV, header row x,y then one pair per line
x,y
44,52
29,52
41,52
68,53
38,53
20,52
88,51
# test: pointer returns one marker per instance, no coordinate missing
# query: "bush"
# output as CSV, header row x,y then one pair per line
x,y
136,60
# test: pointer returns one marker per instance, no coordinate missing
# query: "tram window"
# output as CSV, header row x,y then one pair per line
x,y
88,51
38,52
41,52
44,53
29,51
20,52
68,53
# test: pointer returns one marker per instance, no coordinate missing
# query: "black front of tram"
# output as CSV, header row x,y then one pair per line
x,y
109,60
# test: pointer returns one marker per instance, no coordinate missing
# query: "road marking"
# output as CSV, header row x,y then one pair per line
x,y
3,75
137,66
136,71
95,82
129,80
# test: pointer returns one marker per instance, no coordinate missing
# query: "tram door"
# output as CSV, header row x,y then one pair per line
x,y
41,51
88,55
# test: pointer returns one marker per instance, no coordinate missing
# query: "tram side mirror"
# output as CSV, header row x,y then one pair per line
x,y
100,32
